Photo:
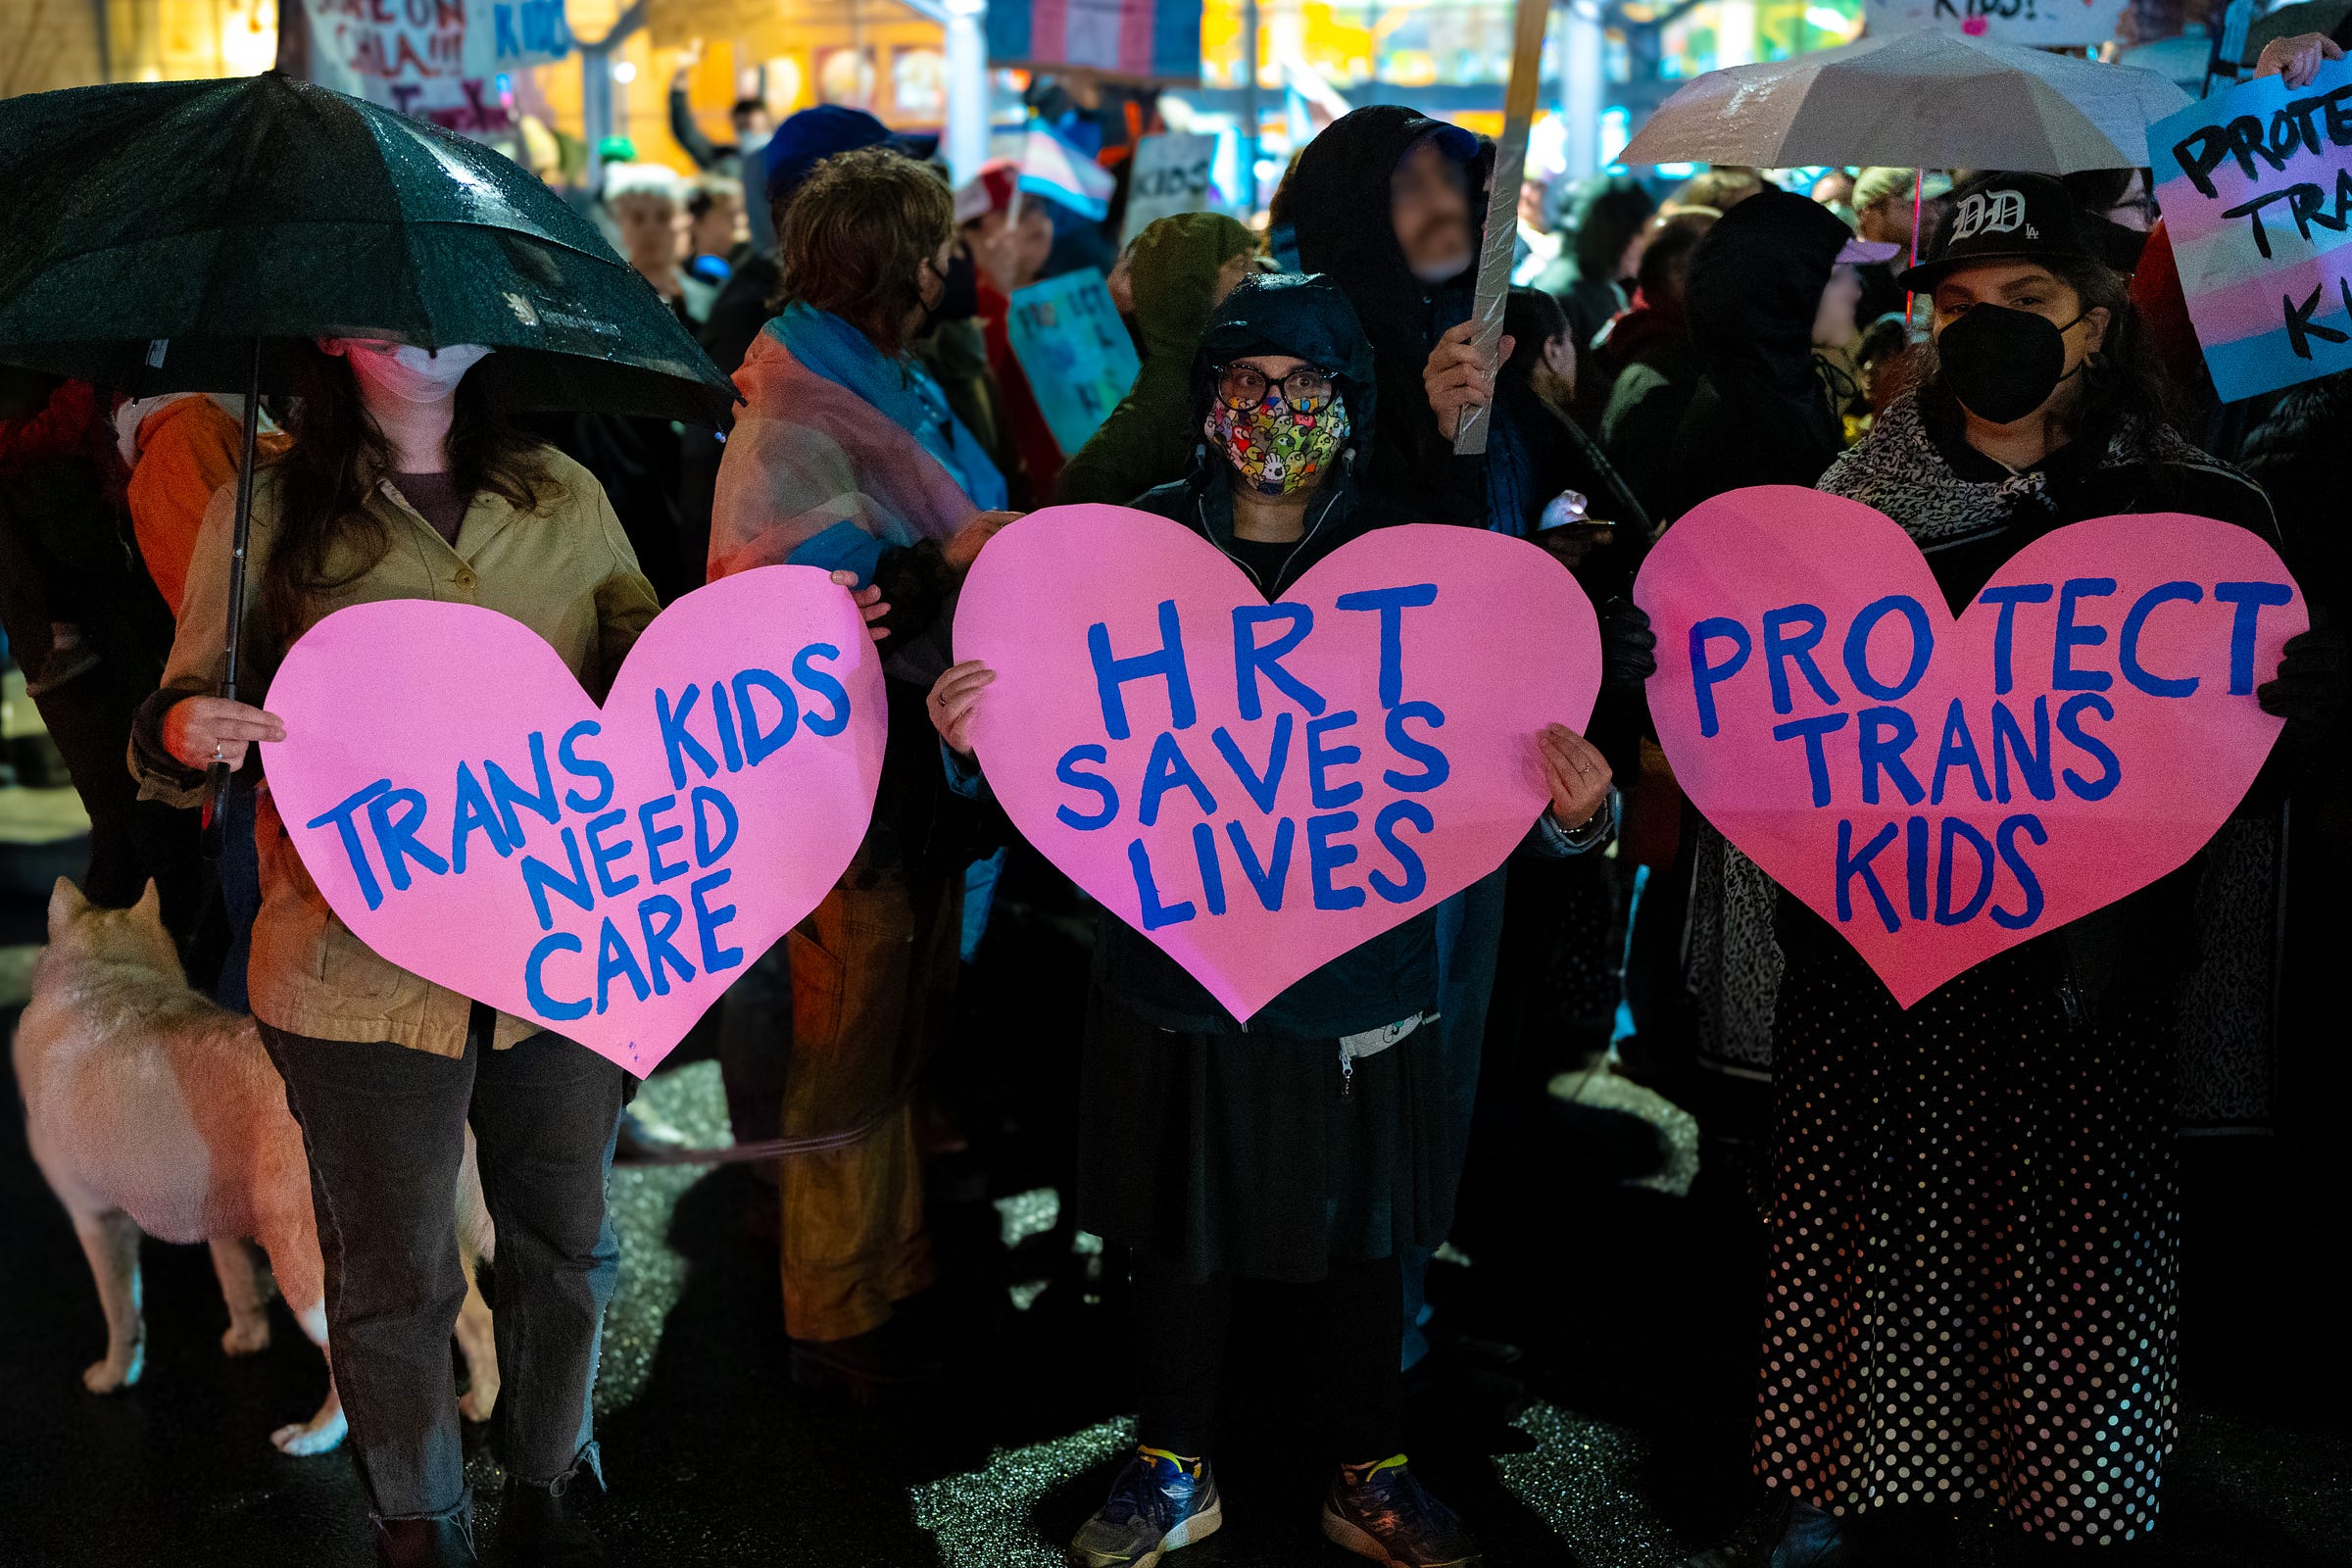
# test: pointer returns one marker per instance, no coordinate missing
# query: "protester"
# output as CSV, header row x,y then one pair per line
x,y
1884,203
89,631
1544,453
846,456
1536,250
179,448
1611,221
1010,248
1647,364
1758,300
717,232
1179,270
647,202
744,303
747,116
1386,202
2001,1152
1214,1154
403,482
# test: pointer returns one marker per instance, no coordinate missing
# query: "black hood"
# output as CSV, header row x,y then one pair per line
x,y
1339,205
1755,286
1301,318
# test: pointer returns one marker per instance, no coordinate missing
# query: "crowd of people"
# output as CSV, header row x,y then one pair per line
x,y
1971,1204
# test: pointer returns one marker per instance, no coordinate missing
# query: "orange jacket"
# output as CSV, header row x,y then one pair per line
x,y
187,449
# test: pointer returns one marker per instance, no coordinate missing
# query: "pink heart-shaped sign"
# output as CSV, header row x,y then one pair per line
x,y
1259,787
473,817
1936,789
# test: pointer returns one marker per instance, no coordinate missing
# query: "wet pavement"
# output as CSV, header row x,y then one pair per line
x,y
1630,1287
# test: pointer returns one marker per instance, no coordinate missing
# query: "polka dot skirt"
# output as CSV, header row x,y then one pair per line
x,y
1974,1250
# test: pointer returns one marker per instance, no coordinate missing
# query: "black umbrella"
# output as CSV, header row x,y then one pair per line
x,y
176,236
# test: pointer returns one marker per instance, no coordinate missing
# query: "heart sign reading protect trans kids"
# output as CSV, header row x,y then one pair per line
x,y
1259,787
1936,789
473,815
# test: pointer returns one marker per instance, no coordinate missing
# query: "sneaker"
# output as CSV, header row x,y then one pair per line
x,y
1161,1502
1382,1511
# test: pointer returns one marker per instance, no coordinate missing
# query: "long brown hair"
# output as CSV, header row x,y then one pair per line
x,y
856,237
337,457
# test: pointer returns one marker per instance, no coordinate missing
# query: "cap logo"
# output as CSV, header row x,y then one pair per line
x,y
1990,212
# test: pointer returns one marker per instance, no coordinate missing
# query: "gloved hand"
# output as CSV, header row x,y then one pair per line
x,y
2311,688
1629,649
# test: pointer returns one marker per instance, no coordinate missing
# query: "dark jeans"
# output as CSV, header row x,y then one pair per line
x,y
1179,1351
385,1127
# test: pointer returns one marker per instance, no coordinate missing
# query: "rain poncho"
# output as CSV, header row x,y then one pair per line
x,y
817,474
1149,438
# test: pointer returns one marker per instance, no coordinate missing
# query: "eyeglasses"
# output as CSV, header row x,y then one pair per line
x,y
1242,387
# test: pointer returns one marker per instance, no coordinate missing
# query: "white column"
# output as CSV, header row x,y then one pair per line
x,y
1734,32
1581,88
967,88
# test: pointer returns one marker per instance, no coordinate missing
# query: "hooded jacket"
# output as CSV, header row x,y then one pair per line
x,y
1340,204
1759,415
1394,975
1149,438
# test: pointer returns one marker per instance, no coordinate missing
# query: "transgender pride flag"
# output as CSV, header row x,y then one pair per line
x,y
1140,40
2256,190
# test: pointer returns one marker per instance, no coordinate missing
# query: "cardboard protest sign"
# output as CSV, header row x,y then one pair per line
x,y
2040,23
473,817
1939,791
1075,351
1172,175
2256,188
434,59
1258,787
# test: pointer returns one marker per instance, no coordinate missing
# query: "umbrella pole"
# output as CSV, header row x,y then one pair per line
x,y
1919,184
215,794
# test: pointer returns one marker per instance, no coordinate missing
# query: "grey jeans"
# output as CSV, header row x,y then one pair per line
x,y
385,1128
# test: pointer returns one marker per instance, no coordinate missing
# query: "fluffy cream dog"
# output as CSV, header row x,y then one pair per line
x,y
152,1111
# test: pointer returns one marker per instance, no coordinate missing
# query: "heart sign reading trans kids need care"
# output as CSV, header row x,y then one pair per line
x,y
1940,790
475,817
1260,787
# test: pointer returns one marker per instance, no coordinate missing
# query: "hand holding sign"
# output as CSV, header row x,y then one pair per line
x,y
1942,790
606,873
1258,787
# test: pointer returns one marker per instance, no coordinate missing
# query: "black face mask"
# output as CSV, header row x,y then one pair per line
x,y
2003,364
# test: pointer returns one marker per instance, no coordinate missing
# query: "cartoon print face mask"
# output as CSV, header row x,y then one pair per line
x,y
1278,450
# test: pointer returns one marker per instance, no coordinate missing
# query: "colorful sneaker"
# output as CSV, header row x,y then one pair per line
x,y
1161,1502
1382,1511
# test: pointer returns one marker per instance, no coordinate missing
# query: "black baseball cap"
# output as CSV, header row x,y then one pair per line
x,y
2002,218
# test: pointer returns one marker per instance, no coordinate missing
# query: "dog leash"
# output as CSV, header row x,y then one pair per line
x,y
766,1148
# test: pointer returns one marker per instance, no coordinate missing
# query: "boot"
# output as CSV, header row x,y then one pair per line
x,y
446,1541
540,1526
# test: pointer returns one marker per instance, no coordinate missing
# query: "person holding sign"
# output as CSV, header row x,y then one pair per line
x,y
1310,1148
846,456
402,482
1974,1227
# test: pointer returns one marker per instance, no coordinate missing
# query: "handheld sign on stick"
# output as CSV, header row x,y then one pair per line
x,y
1502,204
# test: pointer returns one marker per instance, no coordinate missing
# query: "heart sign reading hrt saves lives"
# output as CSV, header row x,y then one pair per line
x,y
1937,789
473,817
1260,787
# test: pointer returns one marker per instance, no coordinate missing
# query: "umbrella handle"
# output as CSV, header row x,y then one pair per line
x,y
216,809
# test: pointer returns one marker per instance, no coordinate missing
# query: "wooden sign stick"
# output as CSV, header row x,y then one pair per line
x,y
1502,203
